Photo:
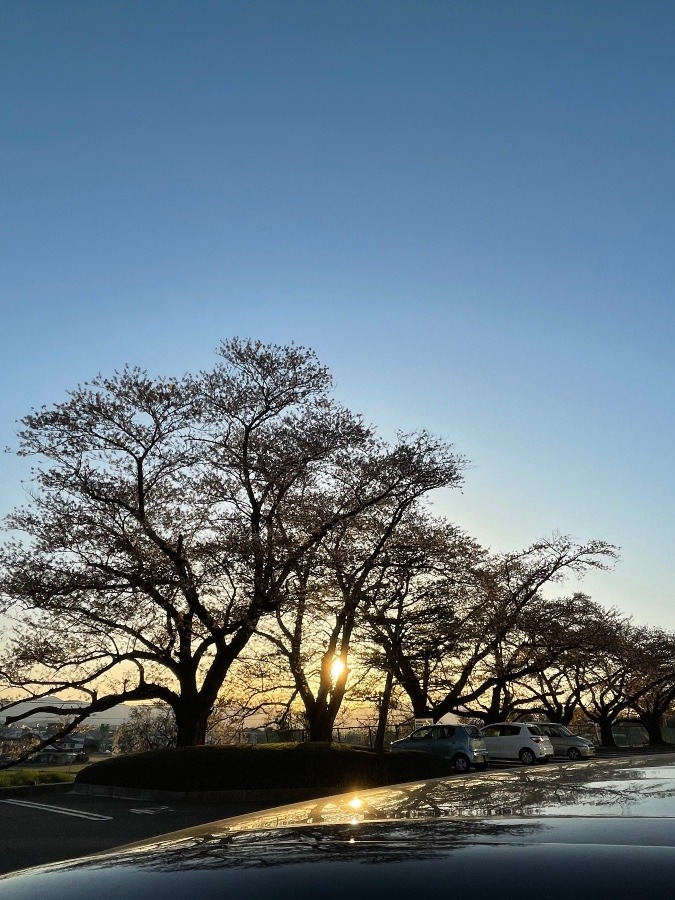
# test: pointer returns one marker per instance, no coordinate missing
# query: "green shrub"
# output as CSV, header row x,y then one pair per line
x,y
324,767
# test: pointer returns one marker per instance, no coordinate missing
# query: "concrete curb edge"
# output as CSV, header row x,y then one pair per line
x,y
33,790
274,797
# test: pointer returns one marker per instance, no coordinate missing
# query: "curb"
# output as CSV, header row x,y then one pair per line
x,y
274,797
33,790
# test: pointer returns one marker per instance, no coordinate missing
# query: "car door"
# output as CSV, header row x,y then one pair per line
x,y
492,736
509,736
424,739
553,734
449,739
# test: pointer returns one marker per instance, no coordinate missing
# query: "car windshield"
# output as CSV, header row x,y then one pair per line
x,y
473,731
562,729
534,729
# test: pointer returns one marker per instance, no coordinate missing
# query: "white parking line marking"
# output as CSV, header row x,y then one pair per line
x,y
58,809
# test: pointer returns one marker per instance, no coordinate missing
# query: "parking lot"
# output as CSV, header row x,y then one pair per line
x,y
46,827
49,826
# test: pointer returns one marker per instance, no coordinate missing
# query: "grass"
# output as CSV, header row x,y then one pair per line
x,y
42,773
328,768
21,777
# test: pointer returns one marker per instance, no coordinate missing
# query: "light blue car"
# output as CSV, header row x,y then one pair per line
x,y
463,745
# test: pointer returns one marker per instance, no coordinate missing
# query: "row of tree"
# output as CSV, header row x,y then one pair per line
x,y
238,532
480,639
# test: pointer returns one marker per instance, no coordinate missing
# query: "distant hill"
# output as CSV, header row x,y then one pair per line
x,y
113,717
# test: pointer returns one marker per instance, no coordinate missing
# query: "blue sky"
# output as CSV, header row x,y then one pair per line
x,y
466,209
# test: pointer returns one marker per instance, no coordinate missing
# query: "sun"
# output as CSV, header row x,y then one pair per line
x,y
337,668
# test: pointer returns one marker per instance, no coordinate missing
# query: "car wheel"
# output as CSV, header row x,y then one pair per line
x,y
461,763
574,753
480,767
527,757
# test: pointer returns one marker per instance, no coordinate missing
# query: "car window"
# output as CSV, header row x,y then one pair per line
x,y
534,729
472,731
509,730
445,731
422,734
491,731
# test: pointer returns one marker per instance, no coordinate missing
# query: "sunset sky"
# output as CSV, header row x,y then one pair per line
x,y
466,208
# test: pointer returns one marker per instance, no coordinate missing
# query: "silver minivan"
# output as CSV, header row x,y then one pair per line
x,y
565,743
463,745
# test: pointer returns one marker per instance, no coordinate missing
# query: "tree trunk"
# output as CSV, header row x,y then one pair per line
x,y
408,682
494,712
383,712
653,726
320,723
191,721
606,734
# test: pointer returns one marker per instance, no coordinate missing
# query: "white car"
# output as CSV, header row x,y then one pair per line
x,y
515,740
565,743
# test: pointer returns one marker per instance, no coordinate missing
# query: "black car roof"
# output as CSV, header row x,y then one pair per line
x,y
604,829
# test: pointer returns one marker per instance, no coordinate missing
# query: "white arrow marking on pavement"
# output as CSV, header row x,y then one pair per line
x,y
149,812
57,809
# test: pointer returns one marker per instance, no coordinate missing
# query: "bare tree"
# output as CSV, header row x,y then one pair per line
x,y
167,515
337,586
631,668
411,621
543,640
575,630
149,727
465,636
655,672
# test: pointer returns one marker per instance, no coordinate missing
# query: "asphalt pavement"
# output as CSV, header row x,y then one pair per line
x,y
47,827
